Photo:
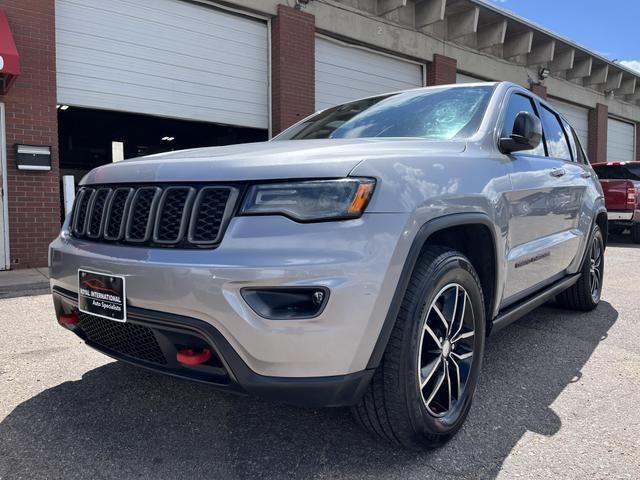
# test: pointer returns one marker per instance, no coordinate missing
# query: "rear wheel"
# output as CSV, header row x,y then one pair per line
x,y
585,293
421,393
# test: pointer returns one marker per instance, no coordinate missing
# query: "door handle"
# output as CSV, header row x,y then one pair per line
x,y
585,175
557,172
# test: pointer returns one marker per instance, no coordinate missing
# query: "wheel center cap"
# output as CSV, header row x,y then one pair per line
x,y
446,348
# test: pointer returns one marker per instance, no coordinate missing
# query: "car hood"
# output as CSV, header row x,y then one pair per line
x,y
266,160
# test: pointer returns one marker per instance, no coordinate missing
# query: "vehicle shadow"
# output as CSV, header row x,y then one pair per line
x,y
621,240
120,422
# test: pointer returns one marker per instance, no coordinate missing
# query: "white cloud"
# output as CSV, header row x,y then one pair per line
x,y
632,64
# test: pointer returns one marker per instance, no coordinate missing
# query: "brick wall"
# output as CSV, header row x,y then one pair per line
x,y
538,89
442,71
598,123
292,67
31,118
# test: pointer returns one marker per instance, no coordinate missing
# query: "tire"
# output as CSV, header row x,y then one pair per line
x,y
584,295
635,233
395,408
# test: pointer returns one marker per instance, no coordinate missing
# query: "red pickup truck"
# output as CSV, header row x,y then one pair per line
x,y
621,184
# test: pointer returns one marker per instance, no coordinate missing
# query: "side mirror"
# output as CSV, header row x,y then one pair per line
x,y
526,134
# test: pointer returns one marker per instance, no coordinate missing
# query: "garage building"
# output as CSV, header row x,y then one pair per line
x,y
89,82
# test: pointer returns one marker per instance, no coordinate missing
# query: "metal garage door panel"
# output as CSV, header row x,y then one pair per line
x,y
163,57
345,73
462,78
578,118
620,141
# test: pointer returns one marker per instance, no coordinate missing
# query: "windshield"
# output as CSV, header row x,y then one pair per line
x,y
435,114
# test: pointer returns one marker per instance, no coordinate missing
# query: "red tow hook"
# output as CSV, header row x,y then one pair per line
x,y
187,356
68,319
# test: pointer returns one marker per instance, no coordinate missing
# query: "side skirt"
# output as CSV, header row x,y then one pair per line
x,y
532,302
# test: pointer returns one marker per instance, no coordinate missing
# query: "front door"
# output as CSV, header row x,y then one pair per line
x,y
3,193
544,206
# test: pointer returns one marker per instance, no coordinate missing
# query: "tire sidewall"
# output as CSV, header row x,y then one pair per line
x,y
597,234
452,269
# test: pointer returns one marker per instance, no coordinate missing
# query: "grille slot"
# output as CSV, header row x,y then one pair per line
x,y
96,215
142,212
129,339
179,216
211,205
80,211
172,221
116,213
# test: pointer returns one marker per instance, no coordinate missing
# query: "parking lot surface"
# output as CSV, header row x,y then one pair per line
x,y
559,398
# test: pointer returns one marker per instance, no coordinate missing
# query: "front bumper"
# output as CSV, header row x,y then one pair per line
x,y
356,260
226,371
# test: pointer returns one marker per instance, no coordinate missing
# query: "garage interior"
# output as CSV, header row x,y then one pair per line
x,y
89,138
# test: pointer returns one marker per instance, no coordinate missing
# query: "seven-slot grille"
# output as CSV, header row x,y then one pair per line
x,y
184,216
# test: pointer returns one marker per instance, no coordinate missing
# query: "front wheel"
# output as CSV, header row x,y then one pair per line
x,y
585,293
421,393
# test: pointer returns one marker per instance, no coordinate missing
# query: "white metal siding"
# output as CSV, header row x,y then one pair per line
x,y
163,57
620,141
345,73
462,78
578,118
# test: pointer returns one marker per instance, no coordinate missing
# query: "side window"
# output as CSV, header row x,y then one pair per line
x,y
520,103
581,156
572,141
554,135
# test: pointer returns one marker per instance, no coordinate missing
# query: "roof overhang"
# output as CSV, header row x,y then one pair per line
x,y
9,59
492,30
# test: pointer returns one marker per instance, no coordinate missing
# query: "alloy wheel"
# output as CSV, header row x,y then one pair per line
x,y
595,269
445,352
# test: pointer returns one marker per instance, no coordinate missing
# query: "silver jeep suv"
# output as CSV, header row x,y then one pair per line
x,y
360,258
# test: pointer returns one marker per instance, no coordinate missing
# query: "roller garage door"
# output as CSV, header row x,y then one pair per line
x,y
621,140
462,78
345,73
578,118
167,58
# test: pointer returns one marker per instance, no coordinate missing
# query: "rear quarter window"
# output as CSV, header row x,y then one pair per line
x,y
618,172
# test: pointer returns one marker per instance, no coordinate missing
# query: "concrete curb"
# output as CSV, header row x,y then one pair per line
x,y
18,283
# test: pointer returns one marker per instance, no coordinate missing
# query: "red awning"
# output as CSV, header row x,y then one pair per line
x,y
9,60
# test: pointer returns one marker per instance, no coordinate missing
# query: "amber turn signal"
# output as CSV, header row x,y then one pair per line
x,y
361,198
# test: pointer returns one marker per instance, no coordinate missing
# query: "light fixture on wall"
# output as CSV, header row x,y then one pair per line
x,y
300,4
543,73
62,107
168,139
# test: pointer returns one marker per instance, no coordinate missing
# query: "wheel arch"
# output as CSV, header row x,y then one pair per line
x,y
445,231
603,222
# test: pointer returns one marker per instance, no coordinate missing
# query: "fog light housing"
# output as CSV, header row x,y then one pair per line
x,y
286,303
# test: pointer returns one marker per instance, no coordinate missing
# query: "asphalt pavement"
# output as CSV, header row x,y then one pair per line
x,y
559,398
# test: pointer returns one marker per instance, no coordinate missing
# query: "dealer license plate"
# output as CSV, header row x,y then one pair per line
x,y
102,295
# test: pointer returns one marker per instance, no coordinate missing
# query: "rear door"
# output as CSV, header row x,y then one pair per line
x,y
544,204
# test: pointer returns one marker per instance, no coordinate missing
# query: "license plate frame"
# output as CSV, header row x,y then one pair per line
x,y
102,294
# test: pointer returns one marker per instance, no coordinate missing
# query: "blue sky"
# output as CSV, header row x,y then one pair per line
x,y
609,28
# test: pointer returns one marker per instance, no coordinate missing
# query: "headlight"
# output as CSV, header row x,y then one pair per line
x,y
310,200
